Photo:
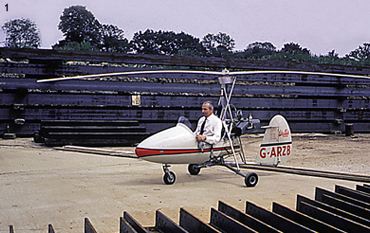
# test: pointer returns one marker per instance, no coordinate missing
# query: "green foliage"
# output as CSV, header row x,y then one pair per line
x,y
74,46
361,54
84,32
257,51
165,43
113,39
220,45
293,52
79,25
21,33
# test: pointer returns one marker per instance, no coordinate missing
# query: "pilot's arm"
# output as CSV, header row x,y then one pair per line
x,y
216,132
212,132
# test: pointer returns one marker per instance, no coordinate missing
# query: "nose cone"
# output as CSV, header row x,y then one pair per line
x,y
175,138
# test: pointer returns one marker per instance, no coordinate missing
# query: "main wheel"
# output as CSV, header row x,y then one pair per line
x,y
251,179
193,169
169,177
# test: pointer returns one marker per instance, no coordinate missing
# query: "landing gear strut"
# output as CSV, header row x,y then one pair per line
x,y
250,179
169,177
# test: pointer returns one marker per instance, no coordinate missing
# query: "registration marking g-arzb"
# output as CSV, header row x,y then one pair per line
x,y
275,151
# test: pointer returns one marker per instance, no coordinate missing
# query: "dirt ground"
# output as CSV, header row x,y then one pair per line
x,y
41,186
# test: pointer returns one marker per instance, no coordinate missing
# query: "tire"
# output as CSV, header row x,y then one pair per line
x,y
169,177
251,179
193,169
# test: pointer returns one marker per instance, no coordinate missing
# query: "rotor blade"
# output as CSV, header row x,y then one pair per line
x,y
202,72
297,72
129,73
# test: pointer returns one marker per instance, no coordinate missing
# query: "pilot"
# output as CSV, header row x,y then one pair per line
x,y
209,125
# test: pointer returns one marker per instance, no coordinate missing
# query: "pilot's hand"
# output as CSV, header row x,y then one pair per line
x,y
201,138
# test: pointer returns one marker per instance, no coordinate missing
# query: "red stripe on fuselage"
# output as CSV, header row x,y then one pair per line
x,y
142,152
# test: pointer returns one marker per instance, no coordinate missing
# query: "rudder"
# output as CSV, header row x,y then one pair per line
x,y
276,146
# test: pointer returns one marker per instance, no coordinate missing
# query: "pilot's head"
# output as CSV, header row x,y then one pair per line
x,y
207,108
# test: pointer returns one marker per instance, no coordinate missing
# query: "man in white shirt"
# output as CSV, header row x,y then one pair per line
x,y
209,125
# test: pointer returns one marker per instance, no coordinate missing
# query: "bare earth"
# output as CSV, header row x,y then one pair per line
x,y
41,186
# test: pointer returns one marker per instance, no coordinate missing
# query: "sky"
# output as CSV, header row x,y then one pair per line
x,y
318,25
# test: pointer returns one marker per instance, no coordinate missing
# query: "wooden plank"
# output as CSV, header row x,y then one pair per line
x,y
346,206
363,188
246,219
193,224
93,150
166,225
55,55
158,86
330,218
275,220
93,142
50,229
89,227
77,113
227,224
125,227
124,100
320,192
332,209
133,223
362,196
304,220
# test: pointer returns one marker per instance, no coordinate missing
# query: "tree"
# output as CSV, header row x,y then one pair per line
x,y
361,54
21,33
294,52
331,58
225,41
220,45
113,40
188,45
293,49
166,43
209,42
259,50
145,42
83,31
79,25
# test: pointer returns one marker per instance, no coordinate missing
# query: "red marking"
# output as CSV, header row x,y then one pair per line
x,y
141,152
284,133
272,134
284,150
275,151
279,149
263,152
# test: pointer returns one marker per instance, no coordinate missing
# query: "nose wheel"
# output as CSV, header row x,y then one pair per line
x,y
169,177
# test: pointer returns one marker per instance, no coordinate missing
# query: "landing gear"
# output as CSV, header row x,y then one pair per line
x,y
194,169
169,177
251,179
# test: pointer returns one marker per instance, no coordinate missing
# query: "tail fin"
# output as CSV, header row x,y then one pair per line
x,y
276,146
